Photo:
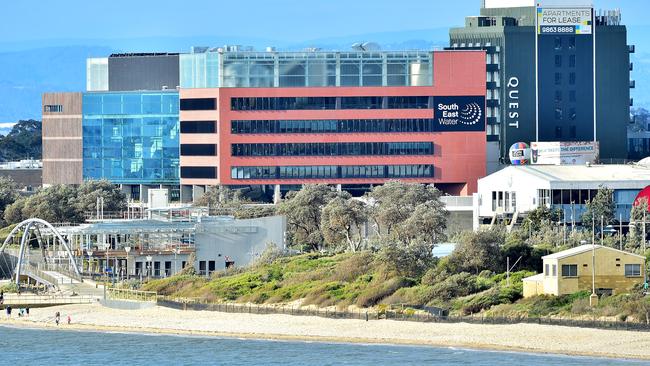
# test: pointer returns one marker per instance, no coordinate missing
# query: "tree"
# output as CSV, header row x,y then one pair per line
x,y
303,212
540,217
411,260
600,206
22,142
637,214
220,197
478,251
342,222
8,194
65,203
88,192
427,223
394,203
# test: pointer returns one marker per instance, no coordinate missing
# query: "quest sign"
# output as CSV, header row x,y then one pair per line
x,y
466,113
564,21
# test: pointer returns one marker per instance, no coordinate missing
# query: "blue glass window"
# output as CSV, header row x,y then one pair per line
x,y
131,137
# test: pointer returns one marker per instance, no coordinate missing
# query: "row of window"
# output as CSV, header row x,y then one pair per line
x,y
572,61
199,149
558,78
333,149
316,103
331,126
198,126
332,171
571,270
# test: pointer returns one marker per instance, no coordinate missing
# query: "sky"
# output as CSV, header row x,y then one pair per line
x,y
281,20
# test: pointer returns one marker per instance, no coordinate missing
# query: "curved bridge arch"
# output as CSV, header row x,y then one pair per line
x,y
27,225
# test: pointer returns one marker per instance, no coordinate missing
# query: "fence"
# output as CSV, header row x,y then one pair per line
x,y
127,294
406,314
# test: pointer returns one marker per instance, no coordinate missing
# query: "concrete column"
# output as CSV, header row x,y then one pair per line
x,y
277,195
339,187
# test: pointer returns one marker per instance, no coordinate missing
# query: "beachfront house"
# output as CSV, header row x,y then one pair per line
x,y
571,270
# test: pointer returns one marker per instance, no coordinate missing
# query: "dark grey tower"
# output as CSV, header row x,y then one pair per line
x,y
541,80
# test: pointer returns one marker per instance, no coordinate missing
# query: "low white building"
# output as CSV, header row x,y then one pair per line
x,y
516,190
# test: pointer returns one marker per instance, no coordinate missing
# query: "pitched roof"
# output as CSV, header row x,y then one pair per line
x,y
582,249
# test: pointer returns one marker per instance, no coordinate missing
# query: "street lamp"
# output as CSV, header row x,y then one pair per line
x,y
149,265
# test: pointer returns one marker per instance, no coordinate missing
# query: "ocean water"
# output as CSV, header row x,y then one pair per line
x,y
62,347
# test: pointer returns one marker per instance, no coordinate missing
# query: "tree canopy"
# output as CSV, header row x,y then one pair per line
x,y
66,203
22,142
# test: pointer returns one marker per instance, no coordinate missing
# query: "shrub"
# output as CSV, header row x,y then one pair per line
x,y
374,294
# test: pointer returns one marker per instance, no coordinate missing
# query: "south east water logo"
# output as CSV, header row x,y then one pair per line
x,y
452,114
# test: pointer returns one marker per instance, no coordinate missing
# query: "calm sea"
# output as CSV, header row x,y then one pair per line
x,y
60,347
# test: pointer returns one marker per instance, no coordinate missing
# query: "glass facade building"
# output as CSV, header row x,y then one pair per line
x,y
216,68
131,137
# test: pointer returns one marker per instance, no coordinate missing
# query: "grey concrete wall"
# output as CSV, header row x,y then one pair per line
x,y
241,240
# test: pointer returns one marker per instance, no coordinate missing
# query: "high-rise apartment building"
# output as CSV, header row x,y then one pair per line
x,y
556,71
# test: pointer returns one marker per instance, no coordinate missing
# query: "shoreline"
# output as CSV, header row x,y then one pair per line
x,y
347,332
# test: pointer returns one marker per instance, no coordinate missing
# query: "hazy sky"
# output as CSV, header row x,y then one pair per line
x,y
285,20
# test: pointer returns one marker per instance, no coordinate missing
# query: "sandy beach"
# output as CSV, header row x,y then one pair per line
x,y
519,337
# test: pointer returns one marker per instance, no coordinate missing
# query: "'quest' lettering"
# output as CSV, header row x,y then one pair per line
x,y
513,102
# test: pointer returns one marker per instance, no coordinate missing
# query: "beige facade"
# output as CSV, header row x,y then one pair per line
x,y
62,139
572,270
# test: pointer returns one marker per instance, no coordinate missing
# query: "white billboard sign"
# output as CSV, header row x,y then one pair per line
x,y
564,21
564,153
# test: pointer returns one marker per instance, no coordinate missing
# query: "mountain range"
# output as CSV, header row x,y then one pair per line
x,y
27,69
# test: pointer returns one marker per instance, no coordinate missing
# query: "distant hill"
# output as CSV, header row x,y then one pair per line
x,y
22,142
28,69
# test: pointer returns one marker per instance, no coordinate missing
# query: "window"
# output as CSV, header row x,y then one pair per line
x,y
572,114
331,126
198,172
558,132
333,149
199,104
327,103
558,61
572,61
558,96
572,43
198,126
572,78
332,172
632,270
572,95
572,132
558,43
198,149
558,78
558,113
554,270
569,270
56,108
